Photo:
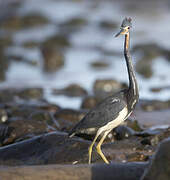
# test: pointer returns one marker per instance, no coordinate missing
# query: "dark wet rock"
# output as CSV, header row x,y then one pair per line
x,y
11,23
7,95
25,109
42,116
134,124
144,68
119,133
152,105
90,102
56,41
63,125
106,87
114,135
71,25
31,20
27,120
150,50
19,58
4,63
52,148
66,119
126,148
159,137
153,136
73,90
77,21
158,89
145,141
31,93
5,40
20,129
70,115
99,65
55,148
155,90
166,54
123,150
109,52
160,166
51,108
53,59
122,132
3,133
27,21
150,132
21,111
137,156
115,171
3,116
31,44
105,24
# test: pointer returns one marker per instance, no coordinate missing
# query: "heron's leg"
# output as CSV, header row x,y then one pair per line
x,y
98,147
91,147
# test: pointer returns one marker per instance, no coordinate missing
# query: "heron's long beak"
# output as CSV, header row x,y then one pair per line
x,y
122,31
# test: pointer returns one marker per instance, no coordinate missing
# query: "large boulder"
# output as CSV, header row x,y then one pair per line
x,y
127,171
160,166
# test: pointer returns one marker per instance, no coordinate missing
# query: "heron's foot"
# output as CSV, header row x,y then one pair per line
x,y
101,154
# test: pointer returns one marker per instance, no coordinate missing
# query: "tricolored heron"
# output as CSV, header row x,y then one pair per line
x,y
115,109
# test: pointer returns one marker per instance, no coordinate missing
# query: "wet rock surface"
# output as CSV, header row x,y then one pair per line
x,y
9,95
127,171
108,25
73,90
4,64
66,118
52,148
58,148
153,105
144,67
21,123
106,87
100,64
149,53
72,25
53,59
90,102
16,22
160,166
57,41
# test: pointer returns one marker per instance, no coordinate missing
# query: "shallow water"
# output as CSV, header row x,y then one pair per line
x,y
150,25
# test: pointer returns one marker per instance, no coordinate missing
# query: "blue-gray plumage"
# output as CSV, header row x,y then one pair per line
x,y
114,109
102,114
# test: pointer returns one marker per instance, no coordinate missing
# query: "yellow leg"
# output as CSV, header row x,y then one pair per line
x,y
98,147
91,147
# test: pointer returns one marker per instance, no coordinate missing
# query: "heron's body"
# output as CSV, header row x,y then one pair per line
x,y
113,110
103,114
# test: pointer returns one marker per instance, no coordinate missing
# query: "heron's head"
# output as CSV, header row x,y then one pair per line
x,y
125,27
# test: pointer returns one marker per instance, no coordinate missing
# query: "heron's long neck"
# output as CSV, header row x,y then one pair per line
x,y
133,87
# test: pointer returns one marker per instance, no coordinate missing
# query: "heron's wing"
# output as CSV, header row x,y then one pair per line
x,y
103,113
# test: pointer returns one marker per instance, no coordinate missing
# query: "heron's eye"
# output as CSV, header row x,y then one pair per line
x,y
128,27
